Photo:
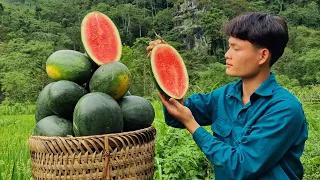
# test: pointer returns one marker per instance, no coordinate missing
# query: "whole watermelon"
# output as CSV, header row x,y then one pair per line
x,y
63,97
42,108
69,65
113,78
97,113
138,112
53,126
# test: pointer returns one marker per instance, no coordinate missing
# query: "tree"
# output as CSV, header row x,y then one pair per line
x,y
303,39
233,8
131,22
311,67
23,69
163,21
289,65
212,25
303,16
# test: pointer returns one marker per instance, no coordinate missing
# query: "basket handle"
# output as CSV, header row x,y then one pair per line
x,y
106,171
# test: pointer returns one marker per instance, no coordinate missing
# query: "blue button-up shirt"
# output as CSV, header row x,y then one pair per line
x,y
263,139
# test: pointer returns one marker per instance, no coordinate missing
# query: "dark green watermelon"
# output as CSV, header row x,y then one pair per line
x,y
69,65
113,78
53,126
42,108
95,114
63,97
138,113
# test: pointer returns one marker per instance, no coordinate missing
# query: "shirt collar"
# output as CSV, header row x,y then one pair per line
x,y
267,88
235,89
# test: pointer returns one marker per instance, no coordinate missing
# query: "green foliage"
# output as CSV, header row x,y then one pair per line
x,y
23,80
22,65
132,22
31,30
17,109
308,94
311,62
286,82
195,62
232,8
287,65
177,155
212,24
212,77
311,155
163,21
307,15
303,39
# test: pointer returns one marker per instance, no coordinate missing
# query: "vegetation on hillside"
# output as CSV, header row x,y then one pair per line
x,y
30,30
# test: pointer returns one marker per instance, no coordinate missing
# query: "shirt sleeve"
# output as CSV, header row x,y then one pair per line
x,y
268,140
202,106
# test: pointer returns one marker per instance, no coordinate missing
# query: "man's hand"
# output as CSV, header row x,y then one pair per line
x,y
152,44
180,112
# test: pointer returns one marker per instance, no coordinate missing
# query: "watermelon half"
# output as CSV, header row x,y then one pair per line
x,y
169,71
100,38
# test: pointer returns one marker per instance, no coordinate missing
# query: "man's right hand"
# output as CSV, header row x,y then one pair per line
x,y
152,44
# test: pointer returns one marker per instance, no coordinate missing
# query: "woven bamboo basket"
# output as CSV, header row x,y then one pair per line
x,y
127,155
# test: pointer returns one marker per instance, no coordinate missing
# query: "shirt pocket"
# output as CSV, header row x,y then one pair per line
x,y
221,129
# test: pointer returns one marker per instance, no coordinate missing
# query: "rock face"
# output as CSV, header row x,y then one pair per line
x,y
187,22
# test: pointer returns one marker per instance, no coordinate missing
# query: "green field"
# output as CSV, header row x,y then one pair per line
x,y
177,156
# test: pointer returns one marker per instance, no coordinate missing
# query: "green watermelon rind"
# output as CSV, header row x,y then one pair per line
x,y
104,79
138,112
63,97
73,65
42,108
97,113
53,126
159,85
86,45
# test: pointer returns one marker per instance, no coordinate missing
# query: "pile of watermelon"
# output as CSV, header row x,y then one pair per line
x,y
90,94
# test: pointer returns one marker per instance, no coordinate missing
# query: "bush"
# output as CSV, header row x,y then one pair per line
x,y
17,109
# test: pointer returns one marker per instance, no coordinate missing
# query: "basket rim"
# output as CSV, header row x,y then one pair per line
x,y
144,130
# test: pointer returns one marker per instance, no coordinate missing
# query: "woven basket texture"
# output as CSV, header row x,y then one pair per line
x,y
127,155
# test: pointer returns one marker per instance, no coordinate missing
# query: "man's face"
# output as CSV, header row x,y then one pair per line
x,y
242,59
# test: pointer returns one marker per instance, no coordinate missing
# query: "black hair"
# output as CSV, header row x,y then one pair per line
x,y
262,30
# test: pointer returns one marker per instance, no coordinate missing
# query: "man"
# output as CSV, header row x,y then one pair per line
x,y
259,127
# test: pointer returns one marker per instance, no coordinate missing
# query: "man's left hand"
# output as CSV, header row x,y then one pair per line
x,y
180,112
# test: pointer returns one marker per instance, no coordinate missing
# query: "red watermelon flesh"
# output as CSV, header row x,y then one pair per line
x,y
169,71
101,38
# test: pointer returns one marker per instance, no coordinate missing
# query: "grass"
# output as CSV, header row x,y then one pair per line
x,y
311,154
14,153
177,156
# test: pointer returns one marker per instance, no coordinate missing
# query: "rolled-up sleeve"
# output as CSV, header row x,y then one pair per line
x,y
261,147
